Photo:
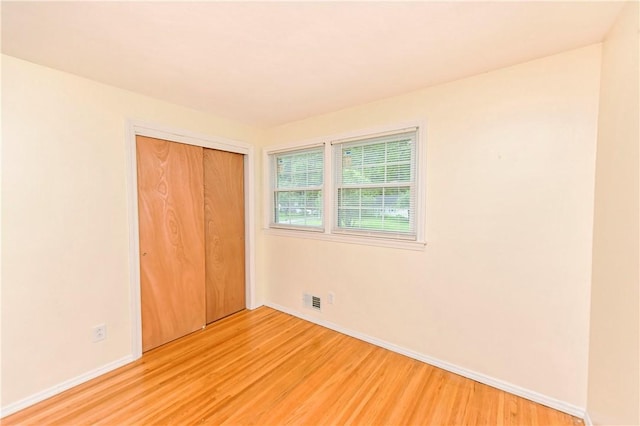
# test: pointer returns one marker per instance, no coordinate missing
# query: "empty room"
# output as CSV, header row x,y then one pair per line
x,y
372,213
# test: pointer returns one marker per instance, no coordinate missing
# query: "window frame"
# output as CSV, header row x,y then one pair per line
x,y
274,190
412,183
329,190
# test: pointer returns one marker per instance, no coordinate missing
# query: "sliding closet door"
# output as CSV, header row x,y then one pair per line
x,y
224,229
171,217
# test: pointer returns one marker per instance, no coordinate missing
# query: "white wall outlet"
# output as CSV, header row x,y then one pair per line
x,y
331,298
99,333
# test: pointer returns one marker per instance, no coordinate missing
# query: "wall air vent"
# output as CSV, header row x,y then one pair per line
x,y
312,302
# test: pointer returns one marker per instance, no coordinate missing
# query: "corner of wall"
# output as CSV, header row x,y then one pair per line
x,y
613,389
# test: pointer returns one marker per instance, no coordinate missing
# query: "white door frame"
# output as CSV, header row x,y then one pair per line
x,y
138,128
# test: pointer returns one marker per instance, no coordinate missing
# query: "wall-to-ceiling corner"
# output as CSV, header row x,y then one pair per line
x,y
614,358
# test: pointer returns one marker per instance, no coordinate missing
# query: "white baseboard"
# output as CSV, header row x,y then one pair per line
x,y
587,419
61,387
498,384
255,306
481,378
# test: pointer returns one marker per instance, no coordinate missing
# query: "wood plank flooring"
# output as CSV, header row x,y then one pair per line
x,y
264,367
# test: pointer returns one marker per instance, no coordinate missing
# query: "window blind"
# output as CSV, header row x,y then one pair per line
x,y
297,181
375,185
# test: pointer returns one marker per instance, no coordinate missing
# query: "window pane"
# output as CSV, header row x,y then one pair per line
x,y
295,173
356,155
299,180
374,154
396,209
299,169
372,197
399,151
374,174
398,173
349,197
352,175
382,209
315,178
298,208
348,218
375,179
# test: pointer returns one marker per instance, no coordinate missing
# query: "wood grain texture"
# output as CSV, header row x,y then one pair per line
x,y
171,217
224,233
268,368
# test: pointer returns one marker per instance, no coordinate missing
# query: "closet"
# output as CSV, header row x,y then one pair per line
x,y
191,228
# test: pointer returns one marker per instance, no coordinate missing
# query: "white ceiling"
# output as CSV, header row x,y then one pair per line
x,y
267,63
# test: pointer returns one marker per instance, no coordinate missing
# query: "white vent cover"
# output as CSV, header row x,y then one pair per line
x,y
313,302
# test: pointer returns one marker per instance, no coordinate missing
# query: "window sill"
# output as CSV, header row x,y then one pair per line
x,y
349,239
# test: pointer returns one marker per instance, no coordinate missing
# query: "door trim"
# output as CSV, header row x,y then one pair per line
x,y
138,128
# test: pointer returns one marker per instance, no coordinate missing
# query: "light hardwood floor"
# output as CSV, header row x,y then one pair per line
x,y
264,367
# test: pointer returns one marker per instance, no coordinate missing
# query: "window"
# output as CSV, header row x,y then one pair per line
x,y
298,178
372,193
375,185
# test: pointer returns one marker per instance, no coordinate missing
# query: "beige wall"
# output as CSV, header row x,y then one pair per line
x,y
614,360
502,288
65,227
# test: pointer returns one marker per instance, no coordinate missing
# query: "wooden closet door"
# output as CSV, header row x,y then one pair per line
x,y
171,217
224,233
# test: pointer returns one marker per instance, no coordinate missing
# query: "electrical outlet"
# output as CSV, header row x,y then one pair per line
x,y
332,298
99,333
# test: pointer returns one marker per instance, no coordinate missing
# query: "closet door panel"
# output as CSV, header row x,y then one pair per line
x,y
171,218
224,233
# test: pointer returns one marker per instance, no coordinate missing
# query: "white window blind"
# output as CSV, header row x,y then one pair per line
x,y
297,182
375,185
